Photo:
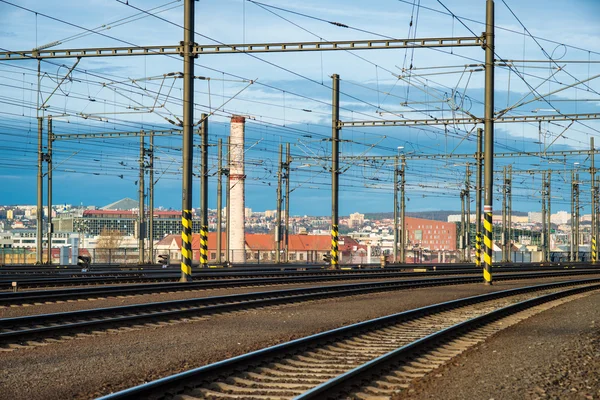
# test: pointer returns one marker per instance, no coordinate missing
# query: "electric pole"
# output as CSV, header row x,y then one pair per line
x,y
49,183
509,214
549,216
402,210
228,203
573,195
468,214
141,209
335,138
279,201
504,215
151,199
478,235
287,200
489,140
577,217
593,193
462,225
40,194
219,199
204,193
544,238
188,139
595,213
396,235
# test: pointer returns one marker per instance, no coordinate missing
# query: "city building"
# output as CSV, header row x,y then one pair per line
x,y
270,213
535,217
356,220
27,238
430,234
261,248
6,240
93,222
561,218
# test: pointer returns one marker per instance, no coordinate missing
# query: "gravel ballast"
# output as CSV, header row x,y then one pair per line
x,y
91,366
552,355
87,304
115,301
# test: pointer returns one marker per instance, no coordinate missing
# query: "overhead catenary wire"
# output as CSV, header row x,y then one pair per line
x,y
288,122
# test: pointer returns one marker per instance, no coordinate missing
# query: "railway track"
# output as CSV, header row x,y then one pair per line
x,y
8,299
43,282
367,360
37,329
174,276
137,277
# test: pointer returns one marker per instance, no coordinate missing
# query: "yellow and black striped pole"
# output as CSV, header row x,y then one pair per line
x,y
594,250
478,198
188,141
488,247
186,246
204,247
478,249
488,121
335,140
204,192
334,247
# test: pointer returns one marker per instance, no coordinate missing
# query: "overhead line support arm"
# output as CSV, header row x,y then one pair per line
x,y
245,48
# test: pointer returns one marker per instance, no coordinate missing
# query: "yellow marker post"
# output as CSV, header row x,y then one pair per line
x,y
488,246
186,246
334,246
204,247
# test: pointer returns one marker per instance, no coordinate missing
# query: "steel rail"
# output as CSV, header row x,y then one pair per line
x,y
28,297
27,327
32,269
185,382
20,328
157,276
369,371
135,284
12,298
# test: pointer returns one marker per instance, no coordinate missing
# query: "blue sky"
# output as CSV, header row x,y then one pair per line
x,y
290,101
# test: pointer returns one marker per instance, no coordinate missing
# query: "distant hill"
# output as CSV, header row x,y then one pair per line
x,y
432,215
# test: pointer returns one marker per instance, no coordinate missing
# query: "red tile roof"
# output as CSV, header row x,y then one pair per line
x,y
261,241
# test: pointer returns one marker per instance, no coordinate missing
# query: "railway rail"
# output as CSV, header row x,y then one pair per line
x,y
173,279
8,299
73,270
137,277
30,330
371,359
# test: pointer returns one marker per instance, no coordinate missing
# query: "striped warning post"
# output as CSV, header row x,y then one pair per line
x,y
478,249
204,246
186,246
334,246
594,250
487,245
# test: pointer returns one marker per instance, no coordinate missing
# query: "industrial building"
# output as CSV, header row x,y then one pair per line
x,y
93,222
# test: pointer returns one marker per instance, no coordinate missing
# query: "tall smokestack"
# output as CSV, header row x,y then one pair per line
x,y
236,186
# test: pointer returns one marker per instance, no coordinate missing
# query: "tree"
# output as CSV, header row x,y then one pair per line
x,y
108,242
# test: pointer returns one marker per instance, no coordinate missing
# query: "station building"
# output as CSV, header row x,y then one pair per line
x,y
93,222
